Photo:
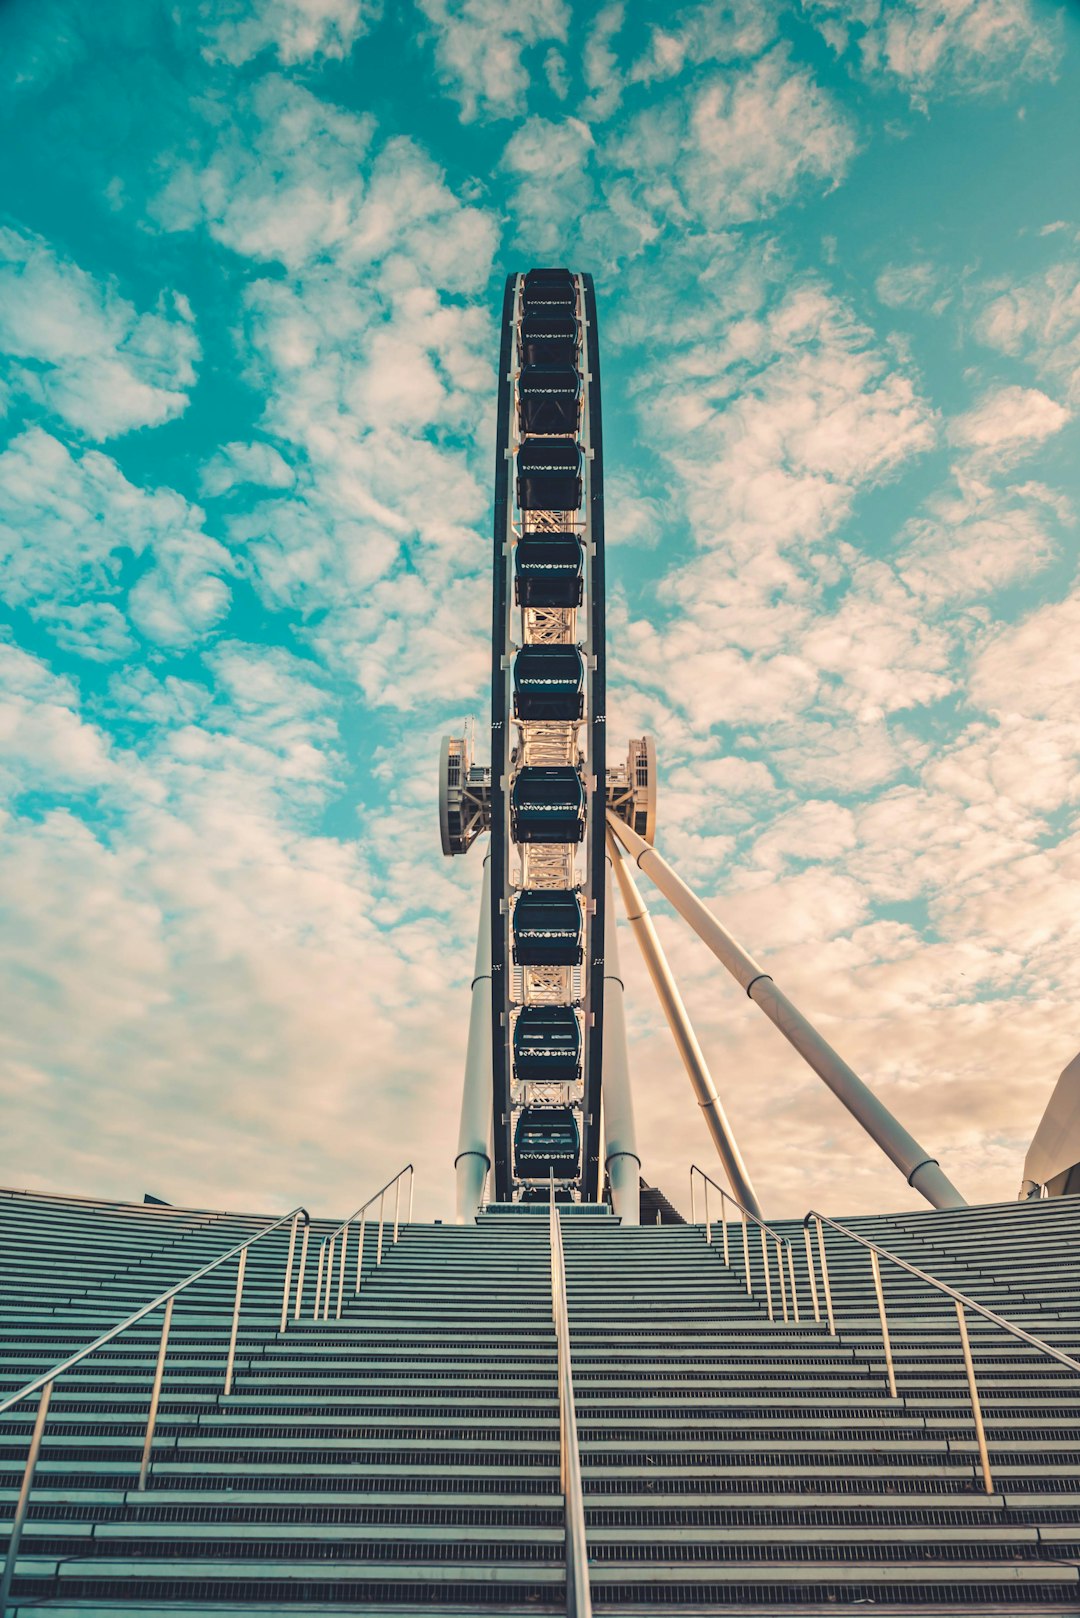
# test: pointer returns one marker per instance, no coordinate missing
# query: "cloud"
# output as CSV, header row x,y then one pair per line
x,y
222,980
237,464
550,162
1030,668
706,33
600,65
290,178
297,30
283,180
82,351
632,517
1037,319
1007,421
95,630
44,743
914,286
480,46
774,424
944,47
73,533
1031,762
978,538
737,148
374,372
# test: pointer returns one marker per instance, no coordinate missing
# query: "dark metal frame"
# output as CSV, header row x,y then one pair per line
x,y
593,1004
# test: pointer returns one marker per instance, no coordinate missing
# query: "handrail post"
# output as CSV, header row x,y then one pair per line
x,y
885,1343
23,1503
811,1272
382,1200
825,1279
300,1273
331,1259
746,1255
708,1221
240,1268
341,1268
412,1186
693,1199
287,1288
319,1281
397,1206
783,1283
766,1267
791,1278
723,1227
360,1254
331,1254
155,1396
976,1406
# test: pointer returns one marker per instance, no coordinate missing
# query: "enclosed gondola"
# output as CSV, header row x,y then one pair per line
x,y
547,927
549,475
547,805
547,1141
547,1045
548,570
549,682
550,290
549,399
549,338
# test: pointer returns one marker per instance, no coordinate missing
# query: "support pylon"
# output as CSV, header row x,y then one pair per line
x,y
682,1030
921,1171
473,1160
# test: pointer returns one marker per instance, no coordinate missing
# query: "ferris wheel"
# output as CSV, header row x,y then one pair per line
x,y
545,796
546,1098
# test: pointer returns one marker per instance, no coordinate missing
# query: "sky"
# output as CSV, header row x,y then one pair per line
x,y
251,259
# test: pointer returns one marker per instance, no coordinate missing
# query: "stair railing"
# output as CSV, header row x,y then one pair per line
x,y
167,1299
771,1242
329,1254
578,1593
960,1300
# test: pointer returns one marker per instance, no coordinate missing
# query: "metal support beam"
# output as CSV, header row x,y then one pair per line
x,y
620,1136
473,1158
917,1166
679,1022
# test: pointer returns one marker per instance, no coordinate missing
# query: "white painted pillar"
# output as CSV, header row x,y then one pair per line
x,y
473,1160
620,1136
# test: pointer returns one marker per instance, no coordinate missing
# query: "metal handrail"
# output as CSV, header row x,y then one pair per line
x,y
47,1378
962,1304
578,1593
328,1253
783,1246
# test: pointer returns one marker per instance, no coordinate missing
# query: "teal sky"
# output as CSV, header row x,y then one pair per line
x,y
251,253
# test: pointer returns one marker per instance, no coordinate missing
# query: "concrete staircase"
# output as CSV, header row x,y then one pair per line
x,y
732,1463
406,1457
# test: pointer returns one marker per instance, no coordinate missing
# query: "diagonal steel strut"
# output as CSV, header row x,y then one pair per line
x,y
682,1031
917,1166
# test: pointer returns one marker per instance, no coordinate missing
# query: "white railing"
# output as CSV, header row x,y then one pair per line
x,y
578,1594
329,1252
773,1245
962,1304
164,1299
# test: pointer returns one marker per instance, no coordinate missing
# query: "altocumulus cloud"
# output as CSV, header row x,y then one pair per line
x,y
248,367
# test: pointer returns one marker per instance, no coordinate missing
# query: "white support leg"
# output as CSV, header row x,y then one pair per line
x,y
473,1160
620,1136
917,1166
679,1022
